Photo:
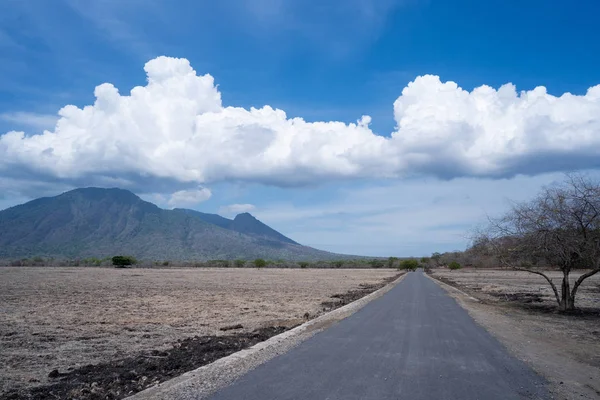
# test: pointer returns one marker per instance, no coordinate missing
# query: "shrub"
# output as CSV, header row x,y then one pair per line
x,y
424,260
392,261
165,263
338,264
123,261
260,263
410,264
303,264
92,261
377,263
454,265
239,263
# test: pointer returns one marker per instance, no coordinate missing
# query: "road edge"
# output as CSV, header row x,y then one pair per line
x,y
204,381
452,288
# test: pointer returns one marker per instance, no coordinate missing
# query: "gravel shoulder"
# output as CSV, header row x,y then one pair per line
x,y
517,309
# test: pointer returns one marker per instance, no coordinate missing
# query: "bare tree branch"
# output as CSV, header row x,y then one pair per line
x,y
583,278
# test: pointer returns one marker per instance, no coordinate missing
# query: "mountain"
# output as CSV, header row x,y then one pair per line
x,y
94,222
243,223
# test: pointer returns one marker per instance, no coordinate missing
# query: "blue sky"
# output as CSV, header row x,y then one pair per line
x,y
427,166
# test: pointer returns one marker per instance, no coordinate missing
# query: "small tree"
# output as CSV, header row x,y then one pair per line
x,y
239,263
123,261
392,261
454,265
409,264
436,258
560,229
260,263
303,264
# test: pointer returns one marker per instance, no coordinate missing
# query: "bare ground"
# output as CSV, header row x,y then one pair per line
x,y
520,310
140,326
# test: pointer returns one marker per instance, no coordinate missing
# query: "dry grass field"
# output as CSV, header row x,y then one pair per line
x,y
65,318
519,308
502,285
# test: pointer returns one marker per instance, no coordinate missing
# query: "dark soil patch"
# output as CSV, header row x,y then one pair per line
x,y
231,327
519,297
121,378
341,300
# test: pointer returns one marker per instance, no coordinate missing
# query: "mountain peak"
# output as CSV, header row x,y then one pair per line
x,y
245,216
248,224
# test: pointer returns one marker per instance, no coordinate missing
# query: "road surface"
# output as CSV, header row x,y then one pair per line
x,y
414,342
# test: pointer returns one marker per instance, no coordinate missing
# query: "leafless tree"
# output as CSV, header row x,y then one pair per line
x,y
560,228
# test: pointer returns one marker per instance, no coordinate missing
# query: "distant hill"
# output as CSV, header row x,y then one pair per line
x,y
94,222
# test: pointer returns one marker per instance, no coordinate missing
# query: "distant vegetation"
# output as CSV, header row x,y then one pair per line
x,y
454,265
410,264
391,262
123,261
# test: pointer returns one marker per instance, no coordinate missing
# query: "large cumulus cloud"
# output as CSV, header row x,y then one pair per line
x,y
174,133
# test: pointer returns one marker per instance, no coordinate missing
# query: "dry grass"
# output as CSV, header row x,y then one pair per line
x,y
499,285
67,317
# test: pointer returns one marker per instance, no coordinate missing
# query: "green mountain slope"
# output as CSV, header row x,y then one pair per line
x,y
104,222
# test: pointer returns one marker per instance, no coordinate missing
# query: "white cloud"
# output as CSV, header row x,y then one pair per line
x,y
176,131
187,198
234,209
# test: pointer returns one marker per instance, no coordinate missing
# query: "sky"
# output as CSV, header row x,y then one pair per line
x,y
380,128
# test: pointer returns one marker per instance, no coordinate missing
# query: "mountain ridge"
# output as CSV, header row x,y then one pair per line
x,y
98,222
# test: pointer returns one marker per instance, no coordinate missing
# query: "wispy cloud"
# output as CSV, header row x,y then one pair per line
x,y
39,122
337,28
412,217
119,22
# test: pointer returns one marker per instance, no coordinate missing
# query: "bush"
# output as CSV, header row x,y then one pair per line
x,y
410,264
454,265
165,263
260,263
424,260
303,264
239,263
392,261
338,264
123,261
377,263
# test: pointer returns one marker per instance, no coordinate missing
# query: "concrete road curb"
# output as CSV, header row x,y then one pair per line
x,y
451,288
202,382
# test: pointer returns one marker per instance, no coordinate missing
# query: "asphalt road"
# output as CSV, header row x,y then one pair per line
x,y
414,342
